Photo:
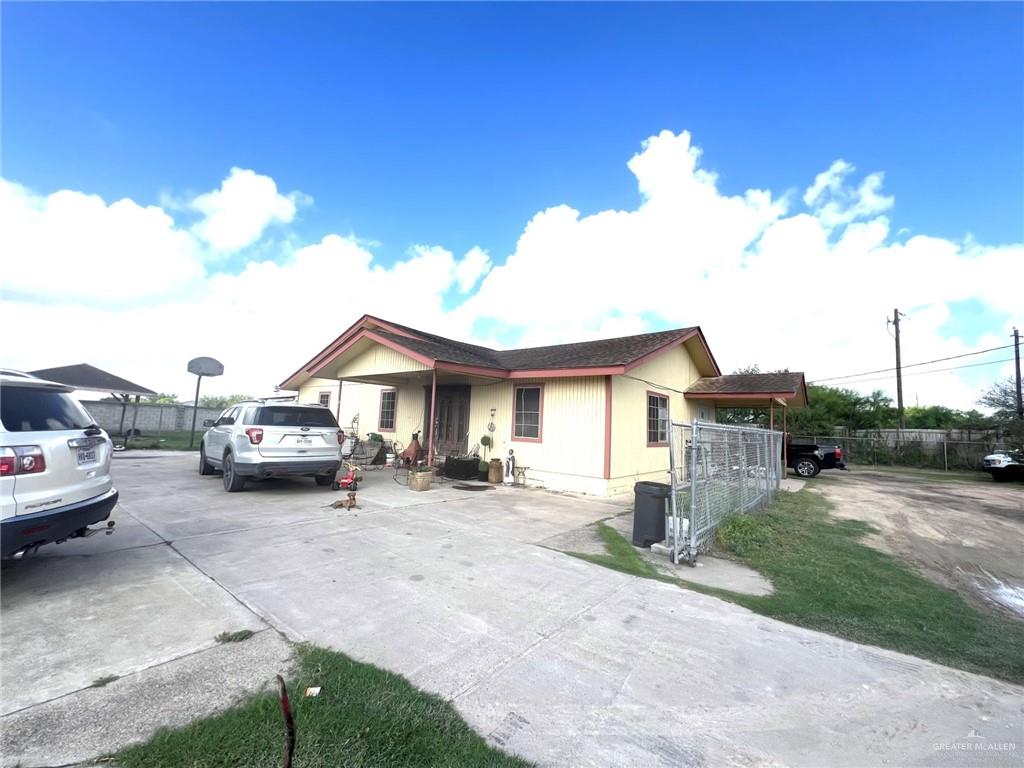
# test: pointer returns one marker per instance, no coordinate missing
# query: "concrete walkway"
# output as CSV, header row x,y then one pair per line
x,y
558,660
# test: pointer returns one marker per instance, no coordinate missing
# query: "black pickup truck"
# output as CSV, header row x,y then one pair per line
x,y
808,459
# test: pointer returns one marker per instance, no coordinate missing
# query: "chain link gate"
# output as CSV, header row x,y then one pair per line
x,y
716,471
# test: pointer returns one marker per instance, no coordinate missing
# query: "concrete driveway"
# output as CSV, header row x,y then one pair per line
x,y
558,660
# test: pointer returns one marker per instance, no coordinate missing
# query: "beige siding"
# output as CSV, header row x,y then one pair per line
x,y
379,360
356,399
570,455
632,459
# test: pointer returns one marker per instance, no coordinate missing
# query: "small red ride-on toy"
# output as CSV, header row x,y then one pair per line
x,y
346,478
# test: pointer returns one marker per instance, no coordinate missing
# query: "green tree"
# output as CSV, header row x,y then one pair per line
x,y
221,401
160,398
1001,397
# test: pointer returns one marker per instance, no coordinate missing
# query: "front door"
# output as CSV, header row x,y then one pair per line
x,y
451,420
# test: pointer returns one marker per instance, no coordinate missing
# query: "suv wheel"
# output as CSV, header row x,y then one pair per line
x,y
324,480
205,468
232,480
807,467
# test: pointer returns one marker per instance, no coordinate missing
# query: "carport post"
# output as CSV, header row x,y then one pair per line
x,y
430,434
135,416
785,435
124,406
945,457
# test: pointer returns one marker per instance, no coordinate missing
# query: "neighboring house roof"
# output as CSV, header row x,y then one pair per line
x,y
604,355
785,384
85,376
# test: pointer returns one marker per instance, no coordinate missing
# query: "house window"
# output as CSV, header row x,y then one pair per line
x,y
657,419
527,415
388,405
325,399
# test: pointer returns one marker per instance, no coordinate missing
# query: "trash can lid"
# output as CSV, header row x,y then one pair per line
x,y
651,488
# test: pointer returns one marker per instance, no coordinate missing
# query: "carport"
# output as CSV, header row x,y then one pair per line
x,y
92,379
754,392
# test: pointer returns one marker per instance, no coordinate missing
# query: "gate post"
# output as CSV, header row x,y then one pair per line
x,y
694,446
672,480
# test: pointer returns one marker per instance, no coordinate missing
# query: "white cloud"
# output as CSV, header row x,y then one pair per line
x,y
71,245
769,285
236,215
835,204
472,267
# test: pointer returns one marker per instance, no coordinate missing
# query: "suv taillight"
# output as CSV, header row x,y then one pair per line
x,y
341,437
255,435
22,460
839,453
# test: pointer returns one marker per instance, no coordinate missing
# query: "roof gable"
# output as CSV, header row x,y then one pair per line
x,y
606,355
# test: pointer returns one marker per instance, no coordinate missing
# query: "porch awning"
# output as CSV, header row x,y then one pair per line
x,y
751,390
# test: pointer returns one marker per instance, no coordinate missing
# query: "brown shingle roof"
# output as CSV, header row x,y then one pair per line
x,y
85,376
617,352
584,354
749,383
587,354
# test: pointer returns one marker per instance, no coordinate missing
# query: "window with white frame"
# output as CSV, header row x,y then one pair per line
x,y
657,419
526,419
325,399
388,406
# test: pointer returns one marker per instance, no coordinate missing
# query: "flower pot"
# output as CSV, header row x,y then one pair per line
x,y
482,475
420,481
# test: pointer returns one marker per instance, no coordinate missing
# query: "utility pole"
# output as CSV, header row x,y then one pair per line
x,y
896,315
1016,357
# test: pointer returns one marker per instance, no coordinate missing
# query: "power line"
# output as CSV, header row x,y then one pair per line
x,y
912,365
936,370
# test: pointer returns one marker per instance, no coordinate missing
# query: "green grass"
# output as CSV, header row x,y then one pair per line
x,y
234,637
932,475
363,716
168,441
827,579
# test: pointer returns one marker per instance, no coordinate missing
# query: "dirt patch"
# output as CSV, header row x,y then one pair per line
x,y
966,536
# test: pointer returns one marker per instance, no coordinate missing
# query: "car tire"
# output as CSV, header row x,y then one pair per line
x,y
205,468
806,468
1000,475
324,480
232,480
354,487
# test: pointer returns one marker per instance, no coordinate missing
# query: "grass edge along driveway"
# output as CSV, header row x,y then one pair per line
x,y
827,579
363,716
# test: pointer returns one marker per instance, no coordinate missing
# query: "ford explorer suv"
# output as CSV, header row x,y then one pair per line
x,y
261,439
54,466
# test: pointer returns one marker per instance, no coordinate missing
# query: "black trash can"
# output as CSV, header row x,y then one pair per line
x,y
649,512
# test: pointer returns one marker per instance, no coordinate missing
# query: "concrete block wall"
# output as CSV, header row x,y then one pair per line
x,y
152,418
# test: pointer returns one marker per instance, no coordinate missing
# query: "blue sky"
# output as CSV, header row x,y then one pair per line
x,y
462,126
455,123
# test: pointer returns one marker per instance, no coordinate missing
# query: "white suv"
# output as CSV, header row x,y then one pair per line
x,y
54,465
261,439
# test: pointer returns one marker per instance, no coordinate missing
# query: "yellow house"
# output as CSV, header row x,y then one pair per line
x,y
587,417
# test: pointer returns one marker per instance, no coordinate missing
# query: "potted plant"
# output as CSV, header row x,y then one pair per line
x,y
482,468
420,477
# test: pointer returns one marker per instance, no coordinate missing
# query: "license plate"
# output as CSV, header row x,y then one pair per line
x,y
303,441
86,455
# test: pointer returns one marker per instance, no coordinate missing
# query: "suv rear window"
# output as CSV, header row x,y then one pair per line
x,y
276,416
31,409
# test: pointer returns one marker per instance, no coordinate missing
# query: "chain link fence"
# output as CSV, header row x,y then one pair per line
x,y
910,451
716,472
